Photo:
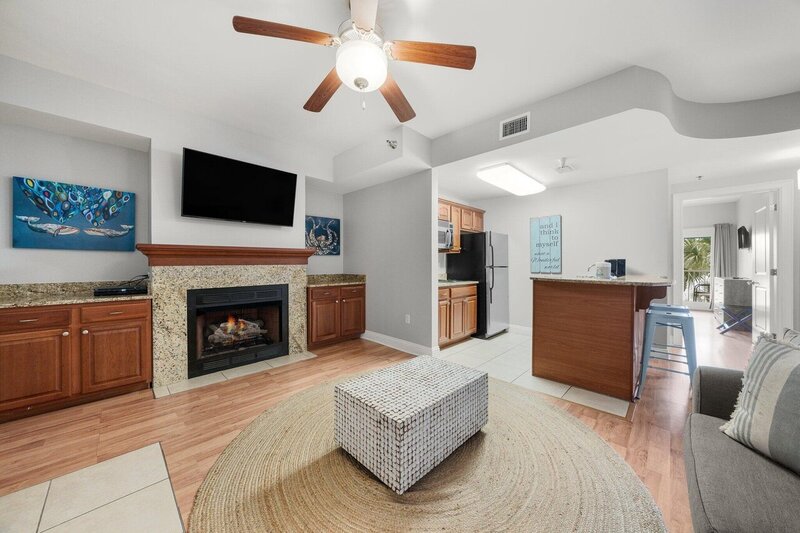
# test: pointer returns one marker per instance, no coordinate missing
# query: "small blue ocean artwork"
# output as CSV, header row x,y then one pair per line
x,y
546,245
323,234
63,216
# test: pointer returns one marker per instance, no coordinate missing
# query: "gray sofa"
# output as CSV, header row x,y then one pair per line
x,y
731,487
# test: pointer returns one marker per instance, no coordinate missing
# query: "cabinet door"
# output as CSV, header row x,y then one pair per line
x,y
471,315
444,211
457,322
353,315
444,321
467,222
114,355
325,319
34,368
455,218
477,221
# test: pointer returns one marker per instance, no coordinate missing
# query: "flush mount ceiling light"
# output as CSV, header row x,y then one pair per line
x,y
510,179
363,54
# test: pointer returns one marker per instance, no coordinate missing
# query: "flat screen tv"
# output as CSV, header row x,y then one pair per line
x,y
226,189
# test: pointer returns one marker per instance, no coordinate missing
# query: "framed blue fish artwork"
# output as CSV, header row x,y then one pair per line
x,y
323,235
63,216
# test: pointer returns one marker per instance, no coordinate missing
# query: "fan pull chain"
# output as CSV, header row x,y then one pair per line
x,y
363,104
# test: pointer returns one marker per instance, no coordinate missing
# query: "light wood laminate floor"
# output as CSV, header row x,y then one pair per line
x,y
195,426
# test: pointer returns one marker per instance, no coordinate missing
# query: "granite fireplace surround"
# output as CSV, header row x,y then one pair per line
x,y
175,269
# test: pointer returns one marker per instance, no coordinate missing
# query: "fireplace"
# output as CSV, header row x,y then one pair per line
x,y
234,326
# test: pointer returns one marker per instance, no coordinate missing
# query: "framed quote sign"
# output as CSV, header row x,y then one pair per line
x,y
546,245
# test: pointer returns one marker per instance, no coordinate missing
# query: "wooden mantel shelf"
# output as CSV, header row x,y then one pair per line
x,y
183,255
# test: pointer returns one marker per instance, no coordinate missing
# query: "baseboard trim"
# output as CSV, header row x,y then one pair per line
x,y
398,344
520,330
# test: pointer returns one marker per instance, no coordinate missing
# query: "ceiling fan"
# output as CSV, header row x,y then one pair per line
x,y
363,54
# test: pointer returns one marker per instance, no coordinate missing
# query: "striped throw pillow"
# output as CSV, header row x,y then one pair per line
x,y
792,337
767,414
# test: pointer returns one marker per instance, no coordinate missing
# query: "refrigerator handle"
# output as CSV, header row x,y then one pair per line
x,y
491,287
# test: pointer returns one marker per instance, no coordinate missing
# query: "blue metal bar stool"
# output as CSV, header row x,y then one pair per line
x,y
671,317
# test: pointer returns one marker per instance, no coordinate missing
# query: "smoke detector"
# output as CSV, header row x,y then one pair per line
x,y
563,167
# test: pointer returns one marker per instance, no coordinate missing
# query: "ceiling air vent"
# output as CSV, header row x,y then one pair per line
x,y
514,126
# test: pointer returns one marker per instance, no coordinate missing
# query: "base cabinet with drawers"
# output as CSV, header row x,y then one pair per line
x,y
458,313
335,314
56,356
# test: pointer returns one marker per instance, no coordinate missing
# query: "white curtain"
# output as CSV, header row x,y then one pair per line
x,y
726,252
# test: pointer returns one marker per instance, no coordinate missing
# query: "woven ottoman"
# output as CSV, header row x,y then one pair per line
x,y
402,421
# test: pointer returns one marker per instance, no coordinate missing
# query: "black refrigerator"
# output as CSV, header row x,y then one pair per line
x,y
484,258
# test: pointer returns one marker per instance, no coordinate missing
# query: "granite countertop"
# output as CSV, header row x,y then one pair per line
x,y
65,293
37,299
332,280
637,280
444,284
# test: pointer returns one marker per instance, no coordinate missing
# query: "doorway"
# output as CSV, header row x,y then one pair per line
x,y
765,211
698,263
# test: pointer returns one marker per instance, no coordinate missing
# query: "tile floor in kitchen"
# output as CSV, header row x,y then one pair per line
x,y
508,357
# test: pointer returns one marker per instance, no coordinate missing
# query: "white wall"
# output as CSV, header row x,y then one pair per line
x,y
389,237
30,152
323,203
705,216
744,217
169,129
625,217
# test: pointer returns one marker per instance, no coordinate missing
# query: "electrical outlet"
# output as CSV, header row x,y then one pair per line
x,y
408,319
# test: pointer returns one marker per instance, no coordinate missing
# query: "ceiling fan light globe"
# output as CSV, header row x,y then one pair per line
x,y
361,65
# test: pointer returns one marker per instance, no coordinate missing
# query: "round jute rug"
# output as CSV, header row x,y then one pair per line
x,y
531,468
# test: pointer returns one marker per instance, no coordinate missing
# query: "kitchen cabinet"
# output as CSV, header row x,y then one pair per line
x,y
458,313
335,314
464,219
57,356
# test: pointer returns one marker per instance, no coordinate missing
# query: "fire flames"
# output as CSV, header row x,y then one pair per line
x,y
233,325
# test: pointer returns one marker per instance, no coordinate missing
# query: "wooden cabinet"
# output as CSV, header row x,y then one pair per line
x,y
56,356
34,368
335,314
444,211
111,355
458,313
455,218
464,218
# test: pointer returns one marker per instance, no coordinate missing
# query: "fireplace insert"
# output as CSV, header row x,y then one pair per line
x,y
234,326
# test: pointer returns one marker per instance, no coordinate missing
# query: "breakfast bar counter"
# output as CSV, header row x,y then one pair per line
x,y
587,332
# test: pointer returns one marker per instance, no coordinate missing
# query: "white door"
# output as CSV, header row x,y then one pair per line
x,y
765,276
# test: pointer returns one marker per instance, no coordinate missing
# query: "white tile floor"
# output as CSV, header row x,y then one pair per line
x,y
231,373
508,357
107,496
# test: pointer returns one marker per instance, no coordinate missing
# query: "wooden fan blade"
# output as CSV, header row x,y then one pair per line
x,y
444,55
324,92
397,100
281,31
364,13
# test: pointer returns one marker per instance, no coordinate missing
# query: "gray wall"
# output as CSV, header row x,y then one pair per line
x,y
625,217
389,237
36,153
322,203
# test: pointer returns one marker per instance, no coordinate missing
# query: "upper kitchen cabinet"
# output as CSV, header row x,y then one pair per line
x,y
464,218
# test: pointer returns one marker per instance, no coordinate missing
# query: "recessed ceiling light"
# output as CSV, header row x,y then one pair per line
x,y
510,179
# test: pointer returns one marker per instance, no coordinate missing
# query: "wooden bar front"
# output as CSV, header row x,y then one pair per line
x,y
589,334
